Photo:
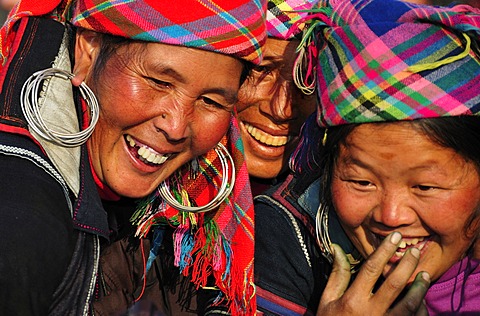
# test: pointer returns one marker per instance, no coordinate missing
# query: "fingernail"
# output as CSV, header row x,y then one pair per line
x,y
415,252
426,276
395,238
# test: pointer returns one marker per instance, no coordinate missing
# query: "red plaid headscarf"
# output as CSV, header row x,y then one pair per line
x,y
229,27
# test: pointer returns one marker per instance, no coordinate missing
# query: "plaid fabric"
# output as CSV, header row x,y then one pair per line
x,y
282,15
229,27
367,50
220,242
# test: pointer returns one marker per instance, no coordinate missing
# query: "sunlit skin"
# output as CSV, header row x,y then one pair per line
x,y
275,108
391,177
7,4
174,100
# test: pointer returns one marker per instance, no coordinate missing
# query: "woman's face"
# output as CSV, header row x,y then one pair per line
x,y
160,106
391,177
271,111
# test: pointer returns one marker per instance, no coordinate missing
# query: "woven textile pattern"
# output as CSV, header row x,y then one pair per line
x,y
229,27
282,15
367,49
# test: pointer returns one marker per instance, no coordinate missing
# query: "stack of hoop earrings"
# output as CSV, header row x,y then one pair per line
x,y
228,181
31,110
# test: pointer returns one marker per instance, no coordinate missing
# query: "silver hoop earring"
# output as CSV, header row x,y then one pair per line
x,y
31,110
323,237
324,241
228,181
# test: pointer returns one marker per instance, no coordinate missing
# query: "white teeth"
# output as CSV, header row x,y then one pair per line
x,y
266,138
146,153
409,242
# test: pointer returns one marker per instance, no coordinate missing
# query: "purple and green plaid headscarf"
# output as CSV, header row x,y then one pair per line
x,y
282,15
387,60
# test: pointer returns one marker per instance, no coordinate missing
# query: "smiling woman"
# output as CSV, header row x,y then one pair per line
x,y
271,109
386,182
103,101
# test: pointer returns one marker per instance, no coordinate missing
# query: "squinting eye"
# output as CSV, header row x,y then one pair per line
x,y
265,70
213,103
362,183
160,82
424,187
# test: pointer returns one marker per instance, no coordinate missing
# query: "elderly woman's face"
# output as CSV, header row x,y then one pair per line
x,y
390,177
272,110
161,106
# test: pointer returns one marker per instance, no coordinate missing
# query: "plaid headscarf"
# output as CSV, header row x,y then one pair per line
x,y
224,26
282,15
219,242
388,60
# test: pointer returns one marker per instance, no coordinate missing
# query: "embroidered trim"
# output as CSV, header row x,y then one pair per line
x,y
295,226
93,281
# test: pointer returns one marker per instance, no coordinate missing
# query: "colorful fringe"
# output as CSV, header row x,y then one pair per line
x,y
219,242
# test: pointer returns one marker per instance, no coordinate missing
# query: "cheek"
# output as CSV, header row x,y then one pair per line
x,y
351,211
208,130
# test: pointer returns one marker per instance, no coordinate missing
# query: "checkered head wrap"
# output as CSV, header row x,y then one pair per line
x,y
387,60
282,15
225,26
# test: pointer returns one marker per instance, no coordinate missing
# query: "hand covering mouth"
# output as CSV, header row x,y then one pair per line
x,y
266,138
145,153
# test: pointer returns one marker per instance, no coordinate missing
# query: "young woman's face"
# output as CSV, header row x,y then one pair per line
x,y
272,110
160,106
390,177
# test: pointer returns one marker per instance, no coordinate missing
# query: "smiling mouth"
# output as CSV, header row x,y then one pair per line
x,y
406,243
146,154
265,138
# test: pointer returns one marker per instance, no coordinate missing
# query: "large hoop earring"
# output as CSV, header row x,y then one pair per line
x,y
228,181
324,241
31,109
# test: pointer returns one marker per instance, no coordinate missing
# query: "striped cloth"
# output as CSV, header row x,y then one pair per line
x,y
388,60
229,27
282,15
219,242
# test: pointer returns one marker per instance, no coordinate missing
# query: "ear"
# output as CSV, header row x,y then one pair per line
x,y
87,46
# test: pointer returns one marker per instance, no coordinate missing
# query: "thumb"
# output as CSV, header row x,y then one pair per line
x,y
339,277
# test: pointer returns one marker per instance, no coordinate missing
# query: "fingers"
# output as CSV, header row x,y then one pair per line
x,y
398,278
412,303
372,268
338,279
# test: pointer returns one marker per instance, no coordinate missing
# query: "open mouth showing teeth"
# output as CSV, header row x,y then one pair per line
x,y
407,243
266,138
146,154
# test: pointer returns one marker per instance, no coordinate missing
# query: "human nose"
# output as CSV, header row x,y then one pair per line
x,y
280,106
173,120
394,210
